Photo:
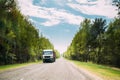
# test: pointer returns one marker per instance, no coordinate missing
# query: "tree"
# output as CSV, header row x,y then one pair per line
x,y
19,39
112,48
79,47
117,3
97,36
96,42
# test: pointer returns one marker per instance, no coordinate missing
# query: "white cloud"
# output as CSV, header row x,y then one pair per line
x,y
82,1
69,0
98,7
43,1
51,23
52,15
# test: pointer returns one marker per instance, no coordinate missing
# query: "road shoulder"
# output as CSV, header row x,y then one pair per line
x,y
86,72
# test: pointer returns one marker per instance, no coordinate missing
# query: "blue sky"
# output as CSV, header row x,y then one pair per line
x,y
59,20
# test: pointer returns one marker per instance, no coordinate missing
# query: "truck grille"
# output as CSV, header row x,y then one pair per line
x,y
47,56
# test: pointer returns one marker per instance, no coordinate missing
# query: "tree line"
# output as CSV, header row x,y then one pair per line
x,y
19,39
97,42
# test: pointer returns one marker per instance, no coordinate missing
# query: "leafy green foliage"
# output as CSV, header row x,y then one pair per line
x,y
96,42
19,40
57,54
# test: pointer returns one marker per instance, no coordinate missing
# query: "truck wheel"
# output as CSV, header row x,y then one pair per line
x,y
43,61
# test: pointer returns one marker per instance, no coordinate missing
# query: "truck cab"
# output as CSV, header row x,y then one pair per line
x,y
48,55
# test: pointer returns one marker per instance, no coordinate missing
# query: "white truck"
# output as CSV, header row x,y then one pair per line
x,y
48,55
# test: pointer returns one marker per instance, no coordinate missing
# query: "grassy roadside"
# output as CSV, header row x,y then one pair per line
x,y
13,66
105,72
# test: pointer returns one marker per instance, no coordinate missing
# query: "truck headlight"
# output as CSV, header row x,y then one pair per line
x,y
51,56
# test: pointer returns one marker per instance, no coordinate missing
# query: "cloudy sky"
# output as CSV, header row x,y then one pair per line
x,y
59,20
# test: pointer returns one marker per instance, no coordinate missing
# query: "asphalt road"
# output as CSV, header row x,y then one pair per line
x,y
60,70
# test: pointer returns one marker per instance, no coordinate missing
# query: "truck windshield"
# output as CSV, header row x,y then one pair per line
x,y
47,52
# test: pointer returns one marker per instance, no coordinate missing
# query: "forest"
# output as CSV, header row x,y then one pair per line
x,y
20,41
96,42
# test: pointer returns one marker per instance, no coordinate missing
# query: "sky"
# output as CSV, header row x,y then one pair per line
x,y
59,20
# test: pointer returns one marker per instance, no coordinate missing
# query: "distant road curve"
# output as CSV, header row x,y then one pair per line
x,y
60,70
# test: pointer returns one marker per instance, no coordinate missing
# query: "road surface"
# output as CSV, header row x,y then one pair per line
x,y
60,70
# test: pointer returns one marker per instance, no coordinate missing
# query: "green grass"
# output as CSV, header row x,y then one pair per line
x,y
13,66
107,73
